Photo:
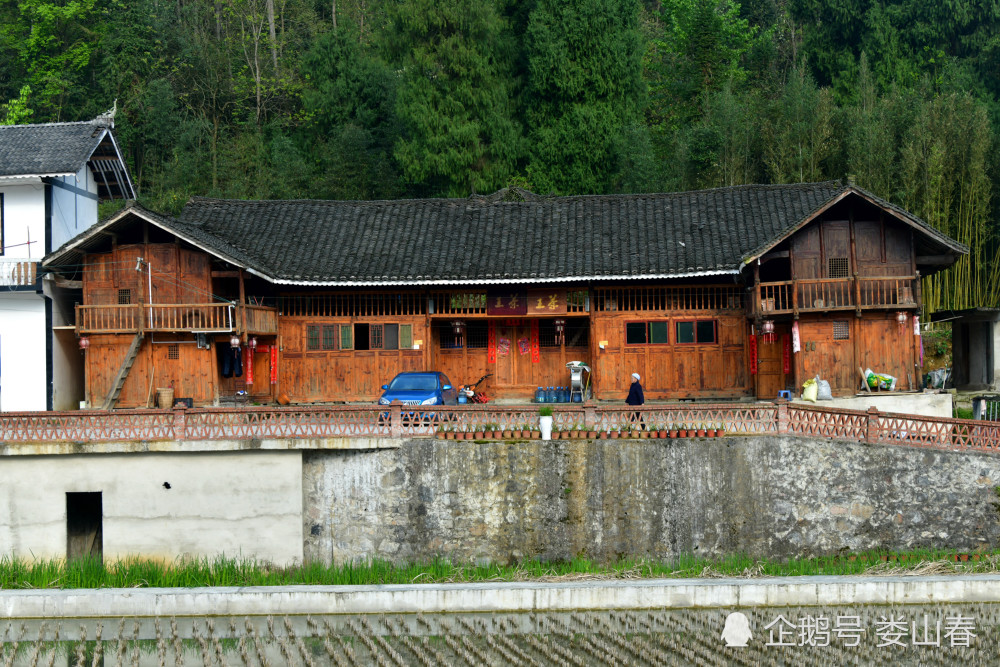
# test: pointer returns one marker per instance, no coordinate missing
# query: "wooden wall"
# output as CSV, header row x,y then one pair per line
x,y
880,248
311,376
670,370
192,374
875,340
178,275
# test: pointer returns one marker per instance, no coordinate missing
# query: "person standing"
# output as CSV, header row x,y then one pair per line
x,y
636,397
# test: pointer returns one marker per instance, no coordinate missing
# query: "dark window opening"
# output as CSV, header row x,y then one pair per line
x,y
706,331
124,297
839,267
700,331
547,336
173,351
84,526
841,330
635,333
577,332
477,335
361,333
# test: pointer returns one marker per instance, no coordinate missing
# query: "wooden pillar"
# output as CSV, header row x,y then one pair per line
x,y
592,337
243,311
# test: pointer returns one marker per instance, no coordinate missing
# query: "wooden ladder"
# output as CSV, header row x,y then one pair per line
x,y
116,388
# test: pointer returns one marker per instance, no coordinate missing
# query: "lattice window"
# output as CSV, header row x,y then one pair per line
x,y
477,335
840,267
375,338
173,351
124,297
841,330
330,336
373,304
405,336
312,338
710,297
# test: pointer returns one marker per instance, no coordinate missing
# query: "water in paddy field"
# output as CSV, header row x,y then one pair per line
x,y
926,635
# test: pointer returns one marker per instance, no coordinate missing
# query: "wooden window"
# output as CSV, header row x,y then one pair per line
x,y
390,336
405,336
840,267
697,332
173,351
312,337
375,336
659,333
635,333
124,297
841,330
330,332
477,335
346,341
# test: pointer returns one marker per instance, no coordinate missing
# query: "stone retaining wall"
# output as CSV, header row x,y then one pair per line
x,y
773,497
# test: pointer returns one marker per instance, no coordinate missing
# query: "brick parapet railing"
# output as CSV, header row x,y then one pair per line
x,y
396,421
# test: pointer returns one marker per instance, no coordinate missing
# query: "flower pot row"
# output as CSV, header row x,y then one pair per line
x,y
490,435
521,434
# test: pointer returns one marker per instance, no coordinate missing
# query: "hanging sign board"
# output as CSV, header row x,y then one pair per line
x,y
753,354
546,302
512,301
274,364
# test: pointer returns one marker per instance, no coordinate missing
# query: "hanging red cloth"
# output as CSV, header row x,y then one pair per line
x,y
248,363
753,354
274,364
491,343
536,354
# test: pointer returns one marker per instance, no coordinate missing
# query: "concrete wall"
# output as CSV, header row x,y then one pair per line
x,y
242,504
929,405
73,213
766,496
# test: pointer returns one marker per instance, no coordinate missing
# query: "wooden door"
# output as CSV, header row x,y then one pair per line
x,y
513,368
828,351
771,377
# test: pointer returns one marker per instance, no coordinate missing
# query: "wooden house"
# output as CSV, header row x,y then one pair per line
x,y
701,293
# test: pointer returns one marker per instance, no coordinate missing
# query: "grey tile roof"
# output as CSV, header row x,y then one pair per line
x,y
51,148
490,240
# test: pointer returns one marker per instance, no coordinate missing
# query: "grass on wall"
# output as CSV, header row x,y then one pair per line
x,y
141,573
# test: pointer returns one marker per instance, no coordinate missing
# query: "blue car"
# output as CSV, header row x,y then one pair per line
x,y
423,388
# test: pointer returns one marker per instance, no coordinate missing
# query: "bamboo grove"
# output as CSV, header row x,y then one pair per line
x,y
366,99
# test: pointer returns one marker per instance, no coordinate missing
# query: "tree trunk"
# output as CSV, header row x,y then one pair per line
x,y
333,13
274,38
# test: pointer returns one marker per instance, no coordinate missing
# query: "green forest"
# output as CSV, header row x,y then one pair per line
x,y
375,99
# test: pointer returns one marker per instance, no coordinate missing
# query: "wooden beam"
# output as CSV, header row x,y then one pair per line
x,y
778,254
69,284
225,274
935,260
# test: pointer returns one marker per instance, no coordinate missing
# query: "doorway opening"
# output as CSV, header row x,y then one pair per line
x,y
84,526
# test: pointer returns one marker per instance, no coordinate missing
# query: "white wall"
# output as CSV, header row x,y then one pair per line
x,y
73,213
24,217
241,504
22,351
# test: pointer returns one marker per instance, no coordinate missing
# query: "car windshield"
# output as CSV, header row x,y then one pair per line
x,y
413,383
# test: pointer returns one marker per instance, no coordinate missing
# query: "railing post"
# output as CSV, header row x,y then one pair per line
x,y
589,416
396,420
180,425
857,294
782,404
871,425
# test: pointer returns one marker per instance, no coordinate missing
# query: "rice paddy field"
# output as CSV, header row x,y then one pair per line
x,y
636,637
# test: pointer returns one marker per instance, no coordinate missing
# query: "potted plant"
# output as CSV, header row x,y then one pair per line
x,y
710,431
614,433
545,422
701,430
525,431
672,430
591,433
682,430
507,434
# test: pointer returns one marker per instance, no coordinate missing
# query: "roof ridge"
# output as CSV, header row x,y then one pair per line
x,y
486,199
94,122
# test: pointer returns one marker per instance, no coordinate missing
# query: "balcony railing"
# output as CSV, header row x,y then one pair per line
x,y
816,295
501,422
191,317
17,272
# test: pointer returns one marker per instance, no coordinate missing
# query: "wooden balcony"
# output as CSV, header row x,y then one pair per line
x,y
822,295
175,317
17,272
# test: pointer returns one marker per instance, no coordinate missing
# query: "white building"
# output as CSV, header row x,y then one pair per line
x,y
52,177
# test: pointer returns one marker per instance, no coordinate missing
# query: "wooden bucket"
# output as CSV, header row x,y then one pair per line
x,y
165,397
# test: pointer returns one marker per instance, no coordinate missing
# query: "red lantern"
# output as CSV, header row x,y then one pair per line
x,y
767,329
901,318
84,342
252,343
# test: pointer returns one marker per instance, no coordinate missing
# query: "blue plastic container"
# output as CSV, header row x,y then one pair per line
x,y
540,395
564,394
550,395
